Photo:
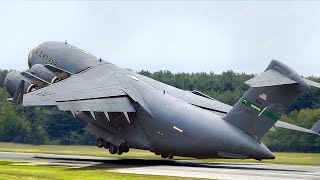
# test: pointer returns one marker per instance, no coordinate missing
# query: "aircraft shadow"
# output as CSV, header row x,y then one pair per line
x,y
133,163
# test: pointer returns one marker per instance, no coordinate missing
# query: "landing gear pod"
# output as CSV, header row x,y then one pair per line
x,y
42,72
13,80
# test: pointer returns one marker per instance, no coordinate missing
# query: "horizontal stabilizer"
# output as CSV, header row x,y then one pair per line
x,y
315,129
273,129
270,77
312,83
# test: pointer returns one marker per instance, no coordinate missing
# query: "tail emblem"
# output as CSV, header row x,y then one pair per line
x,y
261,110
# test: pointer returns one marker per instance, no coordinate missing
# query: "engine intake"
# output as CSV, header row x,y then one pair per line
x,y
42,72
13,80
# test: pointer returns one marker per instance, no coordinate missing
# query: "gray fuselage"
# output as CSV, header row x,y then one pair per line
x,y
173,121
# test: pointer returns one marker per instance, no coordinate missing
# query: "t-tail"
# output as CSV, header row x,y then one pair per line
x,y
270,95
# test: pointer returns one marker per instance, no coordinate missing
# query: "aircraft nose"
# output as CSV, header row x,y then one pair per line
x,y
31,60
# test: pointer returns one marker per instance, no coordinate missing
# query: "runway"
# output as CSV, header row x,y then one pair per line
x,y
186,169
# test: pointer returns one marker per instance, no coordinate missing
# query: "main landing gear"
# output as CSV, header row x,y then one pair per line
x,y
123,148
164,156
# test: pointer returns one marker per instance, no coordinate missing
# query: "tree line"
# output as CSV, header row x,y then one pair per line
x,y
37,125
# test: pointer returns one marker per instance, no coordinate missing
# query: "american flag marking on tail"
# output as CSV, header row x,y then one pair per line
x,y
263,96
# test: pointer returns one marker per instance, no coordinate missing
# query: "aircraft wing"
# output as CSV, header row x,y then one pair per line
x,y
314,130
99,89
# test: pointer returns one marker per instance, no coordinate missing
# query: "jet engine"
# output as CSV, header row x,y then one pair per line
x,y
42,72
13,80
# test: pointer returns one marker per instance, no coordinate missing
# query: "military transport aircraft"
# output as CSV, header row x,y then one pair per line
x,y
127,110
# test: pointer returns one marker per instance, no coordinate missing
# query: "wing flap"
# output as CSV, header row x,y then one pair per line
x,y
117,104
270,78
38,102
92,93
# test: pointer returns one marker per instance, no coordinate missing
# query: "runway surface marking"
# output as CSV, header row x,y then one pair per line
x,y
188,169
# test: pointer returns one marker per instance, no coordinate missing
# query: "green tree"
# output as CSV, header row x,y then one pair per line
x,y
286,140
12,127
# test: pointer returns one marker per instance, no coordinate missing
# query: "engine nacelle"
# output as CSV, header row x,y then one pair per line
x,y
13,80
44,73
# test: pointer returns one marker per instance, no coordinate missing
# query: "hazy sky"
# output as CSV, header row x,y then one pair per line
x,y
180,36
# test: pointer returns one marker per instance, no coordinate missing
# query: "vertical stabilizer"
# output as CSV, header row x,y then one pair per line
x,y
270,95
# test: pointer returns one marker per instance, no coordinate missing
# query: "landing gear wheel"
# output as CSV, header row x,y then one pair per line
x,y
100,142
164,156
125,149
106,145
156,153
120,150
113,149
170,156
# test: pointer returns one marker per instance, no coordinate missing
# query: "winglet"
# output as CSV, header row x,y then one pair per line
x,y
18,95
316,127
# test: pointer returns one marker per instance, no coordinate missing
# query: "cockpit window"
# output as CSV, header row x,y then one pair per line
x,y
29,59
29,63
30,55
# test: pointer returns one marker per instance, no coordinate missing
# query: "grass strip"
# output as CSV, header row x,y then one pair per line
x,y
8,170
